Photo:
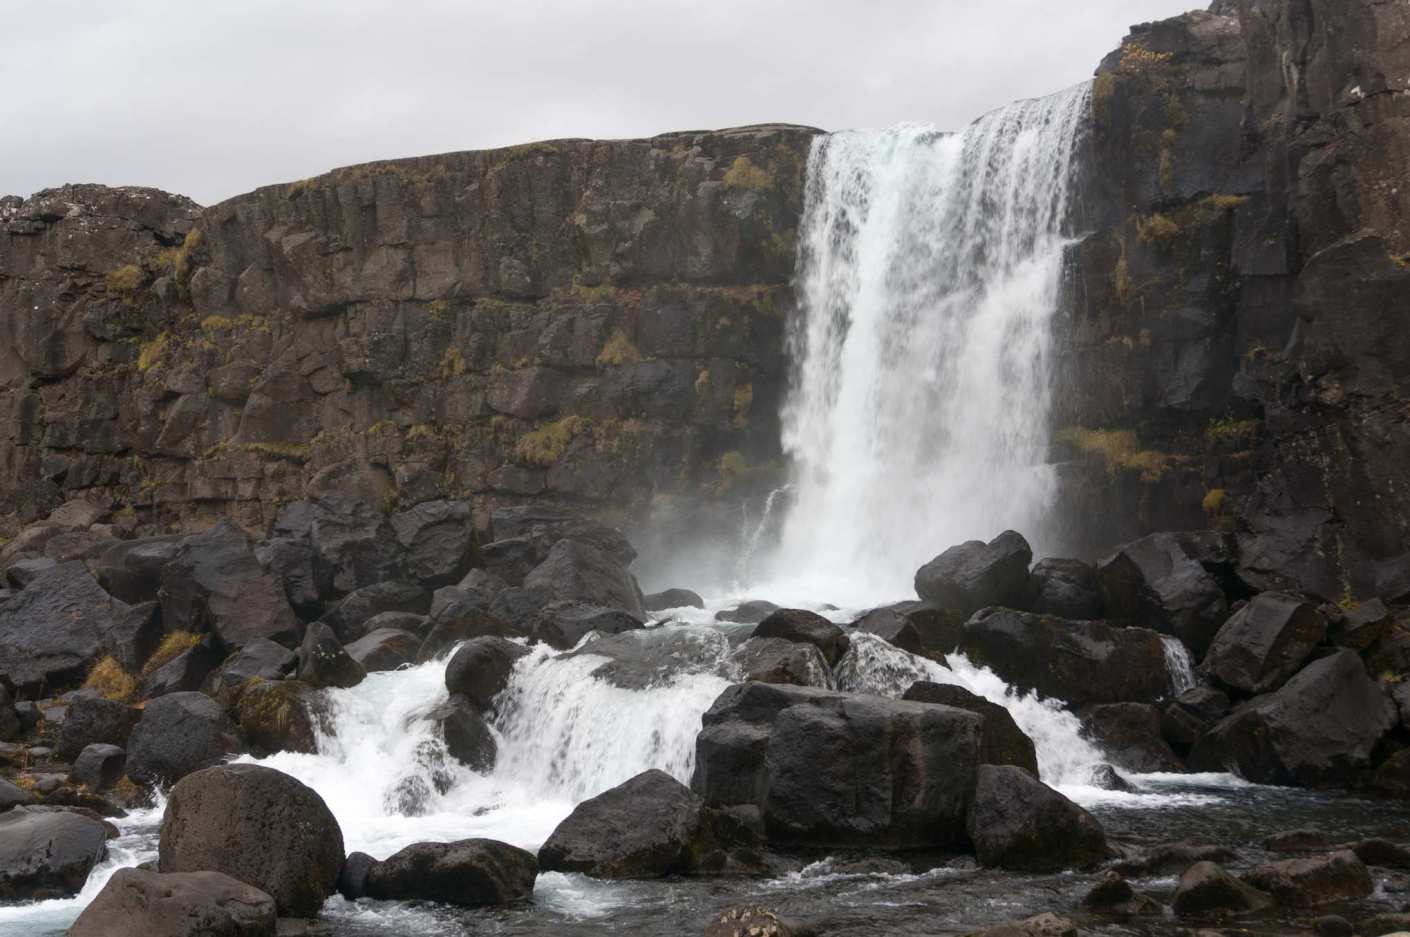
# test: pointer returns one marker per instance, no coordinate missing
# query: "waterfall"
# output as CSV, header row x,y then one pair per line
x,y
1180,664
929,273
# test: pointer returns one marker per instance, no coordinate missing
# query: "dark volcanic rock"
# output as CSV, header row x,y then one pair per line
x,y
1159,582
1129,733
281,716
643,828
1001,741
672,598
256,825
178,734
1313,881
1264,643
1320,729
752,921
324,663
261,658
185,672
98,767
1067,589
132,570
384,649
137,903
750,612
438,540
467,736
1362,626
471,873
1191,714
1018,822
777,660
977,575
349,617
579,572
1057,658
480,669
47,853
1206,889
564,623
893,627
91,719
794,624
352,880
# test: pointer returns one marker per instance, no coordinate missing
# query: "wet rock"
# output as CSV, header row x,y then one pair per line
x,y
438,541
215,583
186,672
1067,589
352,880
281,716
1331,925
1017,822
1056,658
777,660
291,561
672,598
1114,895
1173,858
21,573
1106,778
1297,841
1385,925
564,623
13,796
465,625
259,826
9,717
471,873
893,627
1319,729
1206,889
1264,643
418,625
324,663
643,828
467,736
352,541
481,668
1382,853
178,734
975,575
98,766
1191,714
92,719
1314,880
1001,741
1046,924
511,558
752,921
136,903
349,617
793,624
1130,735
47,853
1392,778
384,649
132,570
1362,626
750,612
1160,582
260,659
579,572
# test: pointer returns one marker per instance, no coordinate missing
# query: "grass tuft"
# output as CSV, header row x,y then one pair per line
x,y
111,680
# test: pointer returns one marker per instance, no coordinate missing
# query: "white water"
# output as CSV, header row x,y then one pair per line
x,y
929,271
1180,664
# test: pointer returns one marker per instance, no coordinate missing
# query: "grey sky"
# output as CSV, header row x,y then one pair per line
x,y
215,97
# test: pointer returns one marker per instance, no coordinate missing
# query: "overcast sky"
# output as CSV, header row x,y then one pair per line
x,y
212,98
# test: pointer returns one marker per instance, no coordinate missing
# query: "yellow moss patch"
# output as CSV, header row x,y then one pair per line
x,y
1225,202
151,352
1136,59
297,451
743,174
743,400
1213,503
178,259
618,350
452,363
545,446
111,681
1103,90
218,323
172,647
124,280
702,381
439,308
1157,227
1229,428
1120,449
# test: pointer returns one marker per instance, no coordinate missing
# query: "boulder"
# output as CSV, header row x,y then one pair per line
x,y
1361,627
384,649
352,880
1382,853
47,853
447,632
562,624
481,668
1172,858
9,718
798,756
352,541
438,541
259,826
324,663
1303,840
12,795
975,575
672,598
1319,729
132,570
1129,734
281,716
643,828
260,659
750,613
21,573
1392,778
98,767
893,627
471,873
178,733
1315,880
467,736
1160,582
1017,822
418,625
777,660
752,921
579,572
1067,589
90,719
291,561
1206,889
138,903
512,558
1057,658
185,672
1001,741
1264,643
215,583
1191,714
349,617
1046,924
793,624
544,526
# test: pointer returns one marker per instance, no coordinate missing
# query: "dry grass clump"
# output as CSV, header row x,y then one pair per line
x,y
111,680
172,647
1120,449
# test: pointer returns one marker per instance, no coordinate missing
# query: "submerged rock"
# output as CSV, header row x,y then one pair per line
x,y
467,736
471,873
752,921
137,903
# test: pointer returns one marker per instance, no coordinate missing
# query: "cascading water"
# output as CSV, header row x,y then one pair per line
x,y
929,272
1180,664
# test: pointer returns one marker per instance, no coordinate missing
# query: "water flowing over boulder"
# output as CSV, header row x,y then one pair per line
x,y
1057,658
775,660
471,873
467,736
1067,589
47,853
481,668
975,575
793,624
1319,729
1264,643
256,825
324,663
1018,822
579,572
178,733
564,623
672,598
1001,741
1160,582
281,716
895,628
799,755
1314,880
643,828
215,583
138,903
1206,889
438,540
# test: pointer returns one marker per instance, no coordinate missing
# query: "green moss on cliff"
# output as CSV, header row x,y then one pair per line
x,y
544,446
1119,449
619,350
743,174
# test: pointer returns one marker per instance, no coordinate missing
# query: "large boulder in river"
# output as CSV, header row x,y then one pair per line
x,y
138,903
1067,589
1318,730
215,583
794,624
481,668
1129,734
580,572
1191,714
1018,822
798,756
259,826
672,598
643,828
975,575
1264,643
1205,889
467,735
1161,582
1313,880
562,624
1001,741
47,853
281,716
471,873
749,612
324,663
178,733
775,660
895,628
1058,658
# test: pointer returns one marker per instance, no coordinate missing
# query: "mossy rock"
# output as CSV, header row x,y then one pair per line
x,y
281,716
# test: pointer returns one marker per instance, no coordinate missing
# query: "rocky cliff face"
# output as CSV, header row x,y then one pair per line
x,y
1238,333
593,323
